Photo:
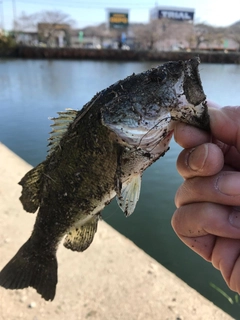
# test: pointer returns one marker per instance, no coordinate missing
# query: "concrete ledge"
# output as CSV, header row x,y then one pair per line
x,y
113,279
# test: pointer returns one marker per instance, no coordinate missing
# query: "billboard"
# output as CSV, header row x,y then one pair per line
x,y
176,15
118,20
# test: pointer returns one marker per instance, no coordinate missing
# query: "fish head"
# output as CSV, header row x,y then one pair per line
x,y
188,101
179,94
148,105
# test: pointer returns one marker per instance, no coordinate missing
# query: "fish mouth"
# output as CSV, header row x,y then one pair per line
x,y
148,133
199,117
202,120
195,115
169,134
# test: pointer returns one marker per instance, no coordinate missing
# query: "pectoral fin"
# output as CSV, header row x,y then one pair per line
x,y
81,235
130,195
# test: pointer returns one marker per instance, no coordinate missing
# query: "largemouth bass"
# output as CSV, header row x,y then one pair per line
x,y
98,153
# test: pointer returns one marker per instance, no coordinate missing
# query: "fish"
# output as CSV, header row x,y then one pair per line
x,y
96,154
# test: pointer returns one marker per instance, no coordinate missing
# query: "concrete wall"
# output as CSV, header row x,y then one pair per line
x,y
121,55
112,280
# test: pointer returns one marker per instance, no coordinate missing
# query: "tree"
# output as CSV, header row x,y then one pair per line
x,y
149,34
29,22
164,34
233,32
53,27
101,32
204,33
26,23
7,41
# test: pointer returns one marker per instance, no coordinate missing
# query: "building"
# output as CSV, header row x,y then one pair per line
x,y
54,35
26,38
83,39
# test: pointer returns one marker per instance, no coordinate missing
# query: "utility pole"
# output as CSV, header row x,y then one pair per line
x,y
2,15
14,14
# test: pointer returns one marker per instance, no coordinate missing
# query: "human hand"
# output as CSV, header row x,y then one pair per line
x,y
207,218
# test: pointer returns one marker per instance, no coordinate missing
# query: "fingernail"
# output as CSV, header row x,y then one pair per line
x,y
234,217
229,183
196,157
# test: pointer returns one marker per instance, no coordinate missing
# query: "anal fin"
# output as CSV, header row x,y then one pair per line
x,y
130,195
81,235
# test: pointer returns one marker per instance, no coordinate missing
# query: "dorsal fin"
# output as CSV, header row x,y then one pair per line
x,y
60,126
31,187
130,195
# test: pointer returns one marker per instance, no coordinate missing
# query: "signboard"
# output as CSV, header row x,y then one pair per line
x,y
176,14
118,20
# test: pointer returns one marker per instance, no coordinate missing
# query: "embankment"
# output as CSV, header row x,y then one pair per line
x,y
118,55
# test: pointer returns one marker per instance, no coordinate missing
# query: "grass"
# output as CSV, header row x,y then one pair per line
x,y
223,293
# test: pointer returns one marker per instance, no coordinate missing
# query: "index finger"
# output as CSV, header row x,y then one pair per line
x,y
225,125
188,136
204,160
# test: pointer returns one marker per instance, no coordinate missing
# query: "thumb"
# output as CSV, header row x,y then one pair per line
x,y
225,125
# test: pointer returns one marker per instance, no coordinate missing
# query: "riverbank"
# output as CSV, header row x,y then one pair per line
x,y
113,279
118,55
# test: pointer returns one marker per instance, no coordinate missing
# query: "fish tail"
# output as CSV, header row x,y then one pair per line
x,y
29,268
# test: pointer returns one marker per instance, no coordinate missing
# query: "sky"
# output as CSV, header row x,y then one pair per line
x,y
93,12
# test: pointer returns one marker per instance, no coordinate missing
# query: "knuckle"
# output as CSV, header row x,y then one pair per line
x,y
183,193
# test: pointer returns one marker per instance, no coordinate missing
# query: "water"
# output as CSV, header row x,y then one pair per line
x,y
32,91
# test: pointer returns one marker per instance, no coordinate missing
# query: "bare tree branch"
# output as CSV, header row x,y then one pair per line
x,y
29,22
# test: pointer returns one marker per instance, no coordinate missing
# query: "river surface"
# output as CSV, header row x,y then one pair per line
x,y
31,91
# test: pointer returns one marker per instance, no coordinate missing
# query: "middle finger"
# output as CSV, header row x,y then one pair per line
x,y
223,188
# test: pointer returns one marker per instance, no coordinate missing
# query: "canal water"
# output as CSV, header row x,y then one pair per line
x,y
31,91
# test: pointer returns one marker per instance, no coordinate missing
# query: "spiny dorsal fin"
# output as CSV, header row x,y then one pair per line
x,y
31,184
60,126
130,195
81,235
